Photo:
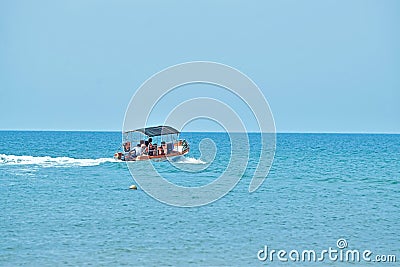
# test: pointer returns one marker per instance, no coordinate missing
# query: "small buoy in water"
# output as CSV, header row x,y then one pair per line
x,y
133,187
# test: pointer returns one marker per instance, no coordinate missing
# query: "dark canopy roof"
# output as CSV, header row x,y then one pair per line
x,y
156,131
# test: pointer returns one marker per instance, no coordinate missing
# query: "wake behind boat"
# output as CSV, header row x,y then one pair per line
x,y
152,143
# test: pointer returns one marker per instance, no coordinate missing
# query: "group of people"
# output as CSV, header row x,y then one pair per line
x,y
144,148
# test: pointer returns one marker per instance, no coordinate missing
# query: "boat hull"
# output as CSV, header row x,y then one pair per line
x,y
162,157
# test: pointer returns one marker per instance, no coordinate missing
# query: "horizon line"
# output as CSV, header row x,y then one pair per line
x,y
277,132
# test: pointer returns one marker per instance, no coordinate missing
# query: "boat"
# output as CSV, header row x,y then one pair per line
x,y
152,143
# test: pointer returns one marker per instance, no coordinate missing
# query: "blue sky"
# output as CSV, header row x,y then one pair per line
x,y
324,66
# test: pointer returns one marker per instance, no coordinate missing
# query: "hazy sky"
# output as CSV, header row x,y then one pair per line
x,y
324,66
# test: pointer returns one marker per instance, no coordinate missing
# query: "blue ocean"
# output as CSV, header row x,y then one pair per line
x,y
66,202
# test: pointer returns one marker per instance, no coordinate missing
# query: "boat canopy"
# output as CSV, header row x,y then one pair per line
x,y
156,131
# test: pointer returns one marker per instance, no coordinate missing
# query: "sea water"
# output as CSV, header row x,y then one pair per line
x,y
65,201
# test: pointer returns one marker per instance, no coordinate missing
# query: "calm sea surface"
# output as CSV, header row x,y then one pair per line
x,y
64,201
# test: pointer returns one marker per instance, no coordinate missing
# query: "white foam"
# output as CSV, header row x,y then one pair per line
x,y
50,161
189,160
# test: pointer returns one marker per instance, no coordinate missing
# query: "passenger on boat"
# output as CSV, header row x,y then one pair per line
x,y
127,146
163,148
151,147
144,149
137,151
